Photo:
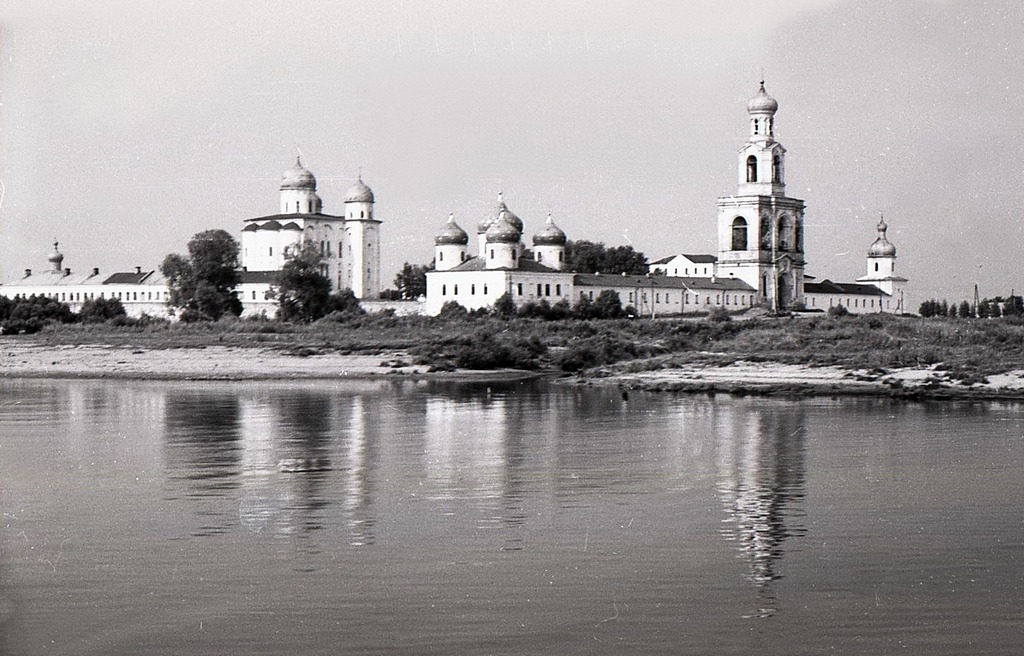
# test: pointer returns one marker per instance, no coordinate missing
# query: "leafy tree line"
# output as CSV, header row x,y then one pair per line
x,y
31,314
1011,306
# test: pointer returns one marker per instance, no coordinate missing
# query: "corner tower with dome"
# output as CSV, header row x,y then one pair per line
x,y
349,243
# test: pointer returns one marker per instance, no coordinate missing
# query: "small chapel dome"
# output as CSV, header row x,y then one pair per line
x,y
549,235
882,247
451,234
762,102
298,177
359,193
56,257
503,230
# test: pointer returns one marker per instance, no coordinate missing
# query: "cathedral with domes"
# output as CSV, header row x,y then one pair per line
x,y
760,260
349,243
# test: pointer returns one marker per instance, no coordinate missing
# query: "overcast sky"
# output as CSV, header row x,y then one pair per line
x,y
129,126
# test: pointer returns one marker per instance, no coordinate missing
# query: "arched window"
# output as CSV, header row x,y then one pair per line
x,y
757,126
739,234
751,169
776,169
785,237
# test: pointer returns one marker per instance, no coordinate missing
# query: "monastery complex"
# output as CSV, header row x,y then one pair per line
x,y
760,260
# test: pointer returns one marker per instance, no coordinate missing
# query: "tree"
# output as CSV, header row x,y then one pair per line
x,y
203,285
589,257
965,310
505,306
411,281
303,292
98,310
608,305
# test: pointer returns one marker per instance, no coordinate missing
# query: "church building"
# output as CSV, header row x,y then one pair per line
x,y
349,244
760,261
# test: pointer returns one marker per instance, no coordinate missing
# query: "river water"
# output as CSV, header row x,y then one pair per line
x,y
422,518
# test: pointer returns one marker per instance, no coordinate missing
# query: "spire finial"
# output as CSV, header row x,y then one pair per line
x,y
451,217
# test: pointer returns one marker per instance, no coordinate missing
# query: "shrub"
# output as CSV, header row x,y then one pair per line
x,y
98,310
838,311
719,315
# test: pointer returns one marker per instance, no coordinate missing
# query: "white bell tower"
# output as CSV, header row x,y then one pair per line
x,y
760,229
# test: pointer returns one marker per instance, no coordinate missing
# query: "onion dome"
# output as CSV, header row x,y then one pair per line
x,y
359,193
503,209
549,235
503,231
56,258
485,223
762,103
298,177
882,246
451,234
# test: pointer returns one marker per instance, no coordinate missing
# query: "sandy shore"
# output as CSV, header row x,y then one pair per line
x,y
27,360
30,360
768,377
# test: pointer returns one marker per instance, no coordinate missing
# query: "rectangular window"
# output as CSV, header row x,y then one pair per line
x,y
254,294
519,287
472,290
538,289
558,290
455,290
547,290
591,295
630,297
444,290
485,290
271,251
657,297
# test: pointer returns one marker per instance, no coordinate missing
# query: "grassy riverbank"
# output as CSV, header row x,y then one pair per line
x,y
966,351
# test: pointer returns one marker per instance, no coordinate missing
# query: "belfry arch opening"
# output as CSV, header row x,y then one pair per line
x,y
739,234
751,169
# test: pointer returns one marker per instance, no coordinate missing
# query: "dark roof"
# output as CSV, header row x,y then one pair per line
x,y
127,278
661,282
257,276
291,225
826,286
478,264
293,216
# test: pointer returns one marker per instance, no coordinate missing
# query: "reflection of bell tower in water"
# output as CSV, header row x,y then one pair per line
x,y
760,229
762,482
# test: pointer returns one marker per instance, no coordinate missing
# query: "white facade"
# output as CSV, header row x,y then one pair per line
x,y
760,257
349,244
760,229
688,266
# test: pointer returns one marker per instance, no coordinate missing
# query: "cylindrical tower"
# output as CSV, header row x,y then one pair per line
x,y
450,246
363,232
503,244
549,246
298,191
